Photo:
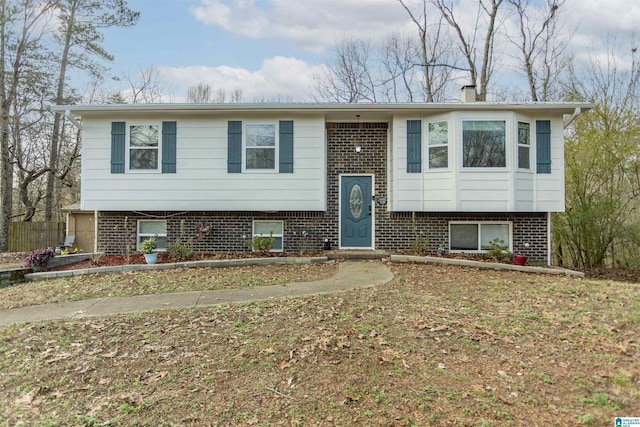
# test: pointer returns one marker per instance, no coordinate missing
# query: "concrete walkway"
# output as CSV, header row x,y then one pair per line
x,y
350,275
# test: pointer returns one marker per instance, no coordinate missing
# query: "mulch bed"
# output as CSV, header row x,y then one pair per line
x,y
618,274
163,258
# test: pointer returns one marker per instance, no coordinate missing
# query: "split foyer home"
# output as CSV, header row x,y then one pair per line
x,y
314,176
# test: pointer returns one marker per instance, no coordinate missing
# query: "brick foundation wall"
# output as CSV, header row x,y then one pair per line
x,y
304,232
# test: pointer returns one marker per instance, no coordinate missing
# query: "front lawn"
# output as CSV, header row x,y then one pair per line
x,y
437,346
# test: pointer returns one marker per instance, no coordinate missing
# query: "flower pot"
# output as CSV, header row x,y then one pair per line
x,y
520,259
151,258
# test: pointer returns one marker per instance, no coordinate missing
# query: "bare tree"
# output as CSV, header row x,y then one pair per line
x,y
22,24
436,57
349,76
81,22
146,87
480,65
199,93
540,44
400,58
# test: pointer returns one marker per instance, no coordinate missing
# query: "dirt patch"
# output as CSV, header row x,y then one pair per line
x,y
437,346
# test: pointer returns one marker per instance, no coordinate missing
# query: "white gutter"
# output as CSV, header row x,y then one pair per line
x,y
565,107
67,114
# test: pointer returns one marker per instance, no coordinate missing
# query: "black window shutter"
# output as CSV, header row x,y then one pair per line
x,y
414,146
234,146
543,146
169,147
118,149
286,146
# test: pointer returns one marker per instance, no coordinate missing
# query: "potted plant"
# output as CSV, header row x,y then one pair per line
x,y
521,259
148,249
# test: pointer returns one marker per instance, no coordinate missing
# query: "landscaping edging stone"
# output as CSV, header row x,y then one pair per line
x,y
59,260
12,276
167,266
484,265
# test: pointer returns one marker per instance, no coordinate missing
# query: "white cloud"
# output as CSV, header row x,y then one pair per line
x,y
315,25
279,78
311,24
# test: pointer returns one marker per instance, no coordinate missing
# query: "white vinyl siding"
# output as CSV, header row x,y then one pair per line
x,y
201,181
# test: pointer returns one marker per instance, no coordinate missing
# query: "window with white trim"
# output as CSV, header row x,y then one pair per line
x,y
484,144
152,228
273,229
144,147
260,146
524,144
478,236
438,145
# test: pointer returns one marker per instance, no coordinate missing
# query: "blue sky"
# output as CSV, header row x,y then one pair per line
x,y
272,48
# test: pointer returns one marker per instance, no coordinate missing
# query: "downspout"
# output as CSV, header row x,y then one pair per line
x,y
575,114
95,231
67,114
549,243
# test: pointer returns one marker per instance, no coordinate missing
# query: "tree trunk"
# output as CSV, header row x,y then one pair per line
x,y
50,196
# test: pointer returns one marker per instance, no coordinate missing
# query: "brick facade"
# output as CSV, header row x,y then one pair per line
x,y
304,232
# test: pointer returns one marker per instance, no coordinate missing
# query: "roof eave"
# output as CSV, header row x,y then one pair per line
x,y
559,107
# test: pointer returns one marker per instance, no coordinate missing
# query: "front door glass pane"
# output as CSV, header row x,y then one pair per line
x,y
355,201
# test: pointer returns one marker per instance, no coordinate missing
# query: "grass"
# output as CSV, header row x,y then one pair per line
x,y
436,346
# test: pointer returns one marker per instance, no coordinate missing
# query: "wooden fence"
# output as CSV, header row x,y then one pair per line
x,y
28,236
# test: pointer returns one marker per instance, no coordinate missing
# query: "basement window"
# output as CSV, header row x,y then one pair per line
x,y
477,236
152,228
273,229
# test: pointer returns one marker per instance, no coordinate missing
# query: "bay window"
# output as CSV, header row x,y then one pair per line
x,y
484,144
438,145
524,144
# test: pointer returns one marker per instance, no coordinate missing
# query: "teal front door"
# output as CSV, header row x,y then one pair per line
x,y
356,212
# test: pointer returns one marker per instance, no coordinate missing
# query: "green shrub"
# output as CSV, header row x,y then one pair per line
x,y
498,250
148,246
261,244
179,251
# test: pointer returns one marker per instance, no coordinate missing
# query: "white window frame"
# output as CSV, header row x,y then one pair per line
x,y
479,250
519,145
129,148
276,148
447,145
507,123
276,235
140,237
